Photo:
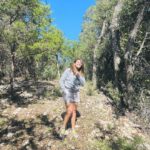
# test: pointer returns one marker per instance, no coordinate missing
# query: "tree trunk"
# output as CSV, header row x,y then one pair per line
x,y
142,45
116,39
58,70
31,68
128,56
103,32
12,72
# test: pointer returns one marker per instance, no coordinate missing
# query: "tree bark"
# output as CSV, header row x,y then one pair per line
x,y
116,39
142,45
12,74
128,56
103,32
58,70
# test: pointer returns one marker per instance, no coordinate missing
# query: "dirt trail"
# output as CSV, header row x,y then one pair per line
x,y
36,125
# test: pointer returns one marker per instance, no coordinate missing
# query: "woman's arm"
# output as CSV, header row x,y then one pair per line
x,y
81,79
63,78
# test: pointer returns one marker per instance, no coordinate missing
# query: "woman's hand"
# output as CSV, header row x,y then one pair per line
x,y
77,73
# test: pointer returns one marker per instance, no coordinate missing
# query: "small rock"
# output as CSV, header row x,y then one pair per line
x,y
96,134
27,142
71,147
26,94
29,148
10,135
147,146
143,146
2,144
45,113
49,144
11,129
4,101
16,111
107,137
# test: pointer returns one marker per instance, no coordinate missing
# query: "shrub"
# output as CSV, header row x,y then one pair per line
x,y
50,72
101,145
90,89
124,144
113,92
119,144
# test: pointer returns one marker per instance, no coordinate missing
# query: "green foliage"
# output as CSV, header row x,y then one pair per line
x,y
90,89
54,93
129,14
124,144
92,25
113,92
70,50
101,145
128,18
104,9
50,129
49,72
88,39
3,122
119,144
27,32
106,75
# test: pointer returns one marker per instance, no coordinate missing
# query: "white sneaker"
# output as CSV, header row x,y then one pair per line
x,y
74,134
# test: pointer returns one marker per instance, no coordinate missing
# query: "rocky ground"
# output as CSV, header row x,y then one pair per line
x,y
33,121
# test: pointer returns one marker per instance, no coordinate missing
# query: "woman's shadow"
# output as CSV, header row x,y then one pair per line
x,y
69,122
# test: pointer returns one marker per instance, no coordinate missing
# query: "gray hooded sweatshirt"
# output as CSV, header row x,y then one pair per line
x,y
70,81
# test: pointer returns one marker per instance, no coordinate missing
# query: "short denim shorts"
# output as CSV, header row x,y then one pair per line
x,y
70,96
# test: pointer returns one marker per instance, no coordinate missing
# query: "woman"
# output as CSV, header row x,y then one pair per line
x,y
70,82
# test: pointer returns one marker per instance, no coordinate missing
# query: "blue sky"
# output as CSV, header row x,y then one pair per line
x,y
68,15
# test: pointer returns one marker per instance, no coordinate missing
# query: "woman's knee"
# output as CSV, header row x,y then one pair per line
x,y
74,110
70,110
74,113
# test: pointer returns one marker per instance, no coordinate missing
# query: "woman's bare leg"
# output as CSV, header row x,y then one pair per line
x,y
69,111
74,114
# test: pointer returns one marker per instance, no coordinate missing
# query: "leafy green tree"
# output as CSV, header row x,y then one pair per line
x,y
28,36
88,39
119,53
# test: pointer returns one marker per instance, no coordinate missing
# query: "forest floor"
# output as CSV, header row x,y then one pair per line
x,y
33,119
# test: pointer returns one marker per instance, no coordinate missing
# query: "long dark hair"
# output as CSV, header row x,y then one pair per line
x,y
74,69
